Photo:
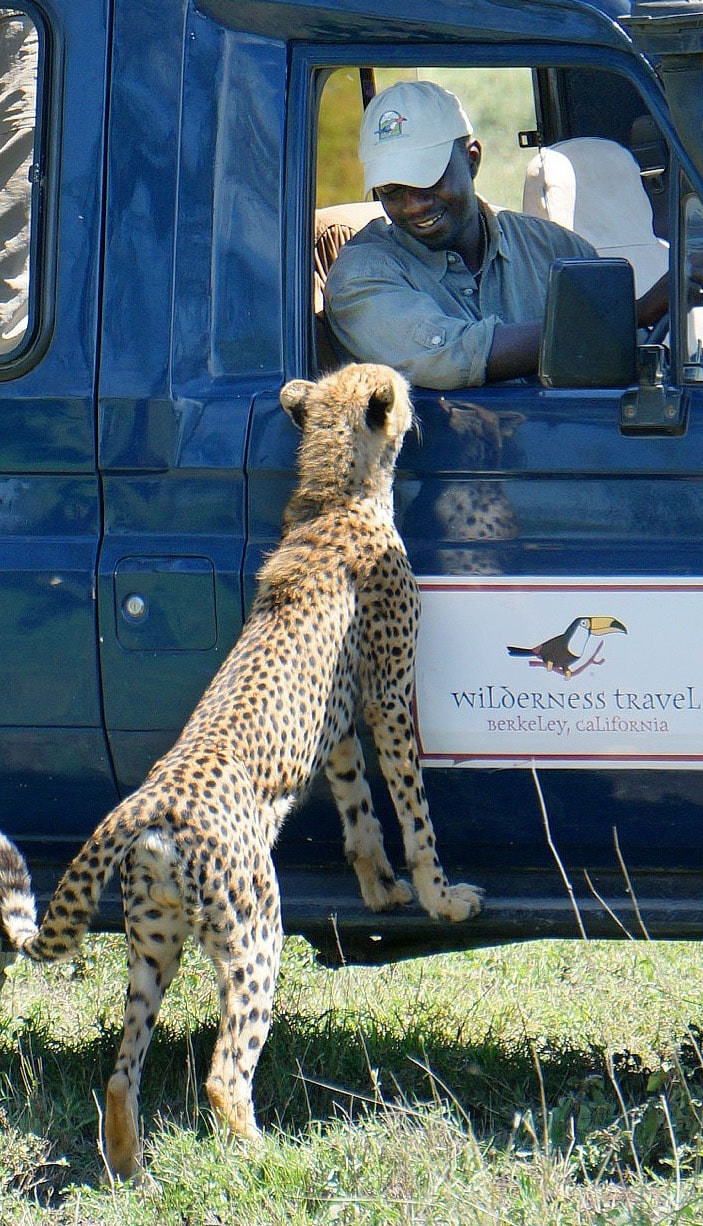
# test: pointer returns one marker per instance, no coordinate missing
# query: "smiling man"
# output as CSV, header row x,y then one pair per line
x,y
452,292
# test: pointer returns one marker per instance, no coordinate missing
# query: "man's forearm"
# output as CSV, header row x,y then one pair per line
x,y
514,352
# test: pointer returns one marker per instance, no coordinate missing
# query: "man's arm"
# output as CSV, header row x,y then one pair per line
x,y
654,303
377,316
515,348
514,352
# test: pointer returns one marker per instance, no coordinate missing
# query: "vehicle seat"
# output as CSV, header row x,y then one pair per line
x,y
334,226
593,186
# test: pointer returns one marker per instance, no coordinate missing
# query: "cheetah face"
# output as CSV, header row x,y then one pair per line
x,y
353,423
363,396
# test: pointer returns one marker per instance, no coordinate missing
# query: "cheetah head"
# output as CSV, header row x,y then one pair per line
x,y
353,423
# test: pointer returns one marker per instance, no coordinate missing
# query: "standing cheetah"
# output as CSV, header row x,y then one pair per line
x,y
331,634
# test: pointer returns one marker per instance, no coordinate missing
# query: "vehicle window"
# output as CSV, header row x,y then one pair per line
x,y
339,177
606,183
500,103
18,109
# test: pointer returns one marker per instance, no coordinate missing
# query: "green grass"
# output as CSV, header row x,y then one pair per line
x,y
548,1083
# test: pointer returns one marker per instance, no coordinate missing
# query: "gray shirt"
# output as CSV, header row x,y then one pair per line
x,y
390,299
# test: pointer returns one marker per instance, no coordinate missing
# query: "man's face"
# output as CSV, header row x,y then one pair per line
x,y
439,216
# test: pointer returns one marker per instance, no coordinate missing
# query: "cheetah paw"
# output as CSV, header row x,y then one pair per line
x,y
460,902
121,1138
380,889
386,895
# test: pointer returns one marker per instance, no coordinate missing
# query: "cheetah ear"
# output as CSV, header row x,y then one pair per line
x,y
509,422
379,403
293,397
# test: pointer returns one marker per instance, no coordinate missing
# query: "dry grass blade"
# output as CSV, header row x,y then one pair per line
x,y
555,853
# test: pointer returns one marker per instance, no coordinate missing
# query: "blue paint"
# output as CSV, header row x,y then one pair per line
x,y
140,434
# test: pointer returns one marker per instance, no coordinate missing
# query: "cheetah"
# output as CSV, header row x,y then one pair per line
x,y
331,635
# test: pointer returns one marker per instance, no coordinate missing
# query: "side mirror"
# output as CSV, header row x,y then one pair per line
x,y
590,325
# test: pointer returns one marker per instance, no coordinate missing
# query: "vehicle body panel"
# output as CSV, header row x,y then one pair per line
x,y
51,731
145,461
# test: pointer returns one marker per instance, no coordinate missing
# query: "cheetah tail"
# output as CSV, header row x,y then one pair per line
x,y
17,907
76,897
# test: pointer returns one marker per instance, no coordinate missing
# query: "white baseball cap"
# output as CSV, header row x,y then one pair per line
x,y
408,132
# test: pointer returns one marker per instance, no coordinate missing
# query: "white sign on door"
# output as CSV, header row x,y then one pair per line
x,y
561,672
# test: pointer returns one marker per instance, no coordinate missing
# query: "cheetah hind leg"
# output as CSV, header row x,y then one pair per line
x,y
363,838
246,950
156,930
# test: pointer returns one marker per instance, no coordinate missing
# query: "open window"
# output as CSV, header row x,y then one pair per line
x,y
501,103
573,144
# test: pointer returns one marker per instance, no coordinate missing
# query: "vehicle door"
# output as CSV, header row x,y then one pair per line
x,y
528,508
54,763
191,332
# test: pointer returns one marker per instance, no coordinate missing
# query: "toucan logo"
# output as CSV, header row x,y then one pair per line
x,y
579,646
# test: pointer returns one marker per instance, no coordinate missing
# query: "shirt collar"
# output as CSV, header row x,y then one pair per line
x,y
436,260
497,244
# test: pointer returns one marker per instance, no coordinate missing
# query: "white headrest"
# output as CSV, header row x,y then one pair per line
x,y
593,186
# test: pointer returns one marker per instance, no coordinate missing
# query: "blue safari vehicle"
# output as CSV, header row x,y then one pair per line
x,y
177,179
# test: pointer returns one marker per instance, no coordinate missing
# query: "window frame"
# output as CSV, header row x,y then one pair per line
x,y
310,67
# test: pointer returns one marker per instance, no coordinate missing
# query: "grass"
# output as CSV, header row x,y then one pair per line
x,y
549,1083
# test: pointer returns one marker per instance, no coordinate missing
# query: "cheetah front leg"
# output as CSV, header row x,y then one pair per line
x,y
399,758
363,837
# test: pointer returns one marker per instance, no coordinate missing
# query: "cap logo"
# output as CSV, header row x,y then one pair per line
x,y
390,125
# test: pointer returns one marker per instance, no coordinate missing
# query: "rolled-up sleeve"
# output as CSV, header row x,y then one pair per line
x,y
377,315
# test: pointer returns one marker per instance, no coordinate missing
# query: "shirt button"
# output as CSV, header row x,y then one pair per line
x,y
436,340
452,259
467,290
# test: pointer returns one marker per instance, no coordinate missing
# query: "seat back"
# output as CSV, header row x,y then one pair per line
x,y
593,186
334,226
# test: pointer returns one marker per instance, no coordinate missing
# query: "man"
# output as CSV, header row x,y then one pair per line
x,y
451,293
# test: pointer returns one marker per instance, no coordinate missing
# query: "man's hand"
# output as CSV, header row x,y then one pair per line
x,y
655,303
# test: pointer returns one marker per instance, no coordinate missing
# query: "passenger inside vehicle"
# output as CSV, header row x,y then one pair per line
x,y
452,294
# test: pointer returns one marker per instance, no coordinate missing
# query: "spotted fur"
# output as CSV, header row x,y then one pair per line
x,y
473,514
331,633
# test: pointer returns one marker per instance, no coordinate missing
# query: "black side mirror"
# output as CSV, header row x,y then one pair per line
x,y
590,325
